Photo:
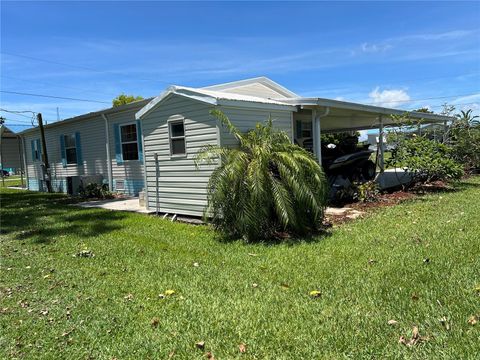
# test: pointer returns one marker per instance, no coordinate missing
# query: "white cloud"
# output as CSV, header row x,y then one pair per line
x,y
388,98
375,48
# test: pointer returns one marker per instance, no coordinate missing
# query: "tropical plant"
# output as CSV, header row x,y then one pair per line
x,y
367,191
265,186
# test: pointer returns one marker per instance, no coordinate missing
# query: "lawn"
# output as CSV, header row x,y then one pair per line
x,y
417,263
14,180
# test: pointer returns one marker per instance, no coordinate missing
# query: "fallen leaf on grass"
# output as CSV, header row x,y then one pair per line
x,y
415,297
44,312
161,296
472,320
66,333
415,339
169,292
252,254
85,253
254,285
155,321
209,355
315,293
195,264
285,286
200,345
128,297
243,348
392,322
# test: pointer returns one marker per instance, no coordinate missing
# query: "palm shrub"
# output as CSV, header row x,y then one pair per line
x,y
464,138
265,186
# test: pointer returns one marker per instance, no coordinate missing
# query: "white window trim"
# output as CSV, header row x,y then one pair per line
x,y
128,142
170,137
70,147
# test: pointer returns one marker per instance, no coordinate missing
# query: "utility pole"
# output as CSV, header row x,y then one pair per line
x,y
46,174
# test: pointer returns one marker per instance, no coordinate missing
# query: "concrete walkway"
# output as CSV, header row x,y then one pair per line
x,y
126,204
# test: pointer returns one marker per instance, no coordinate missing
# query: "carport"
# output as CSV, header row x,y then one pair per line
x,y
319,115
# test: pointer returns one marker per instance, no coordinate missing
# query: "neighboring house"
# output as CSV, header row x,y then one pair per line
x,y
172,128
10,151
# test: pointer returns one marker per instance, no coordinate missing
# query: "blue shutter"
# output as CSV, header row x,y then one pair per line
x,y
118,144
139,140
62,151
33,149
39,147
78,145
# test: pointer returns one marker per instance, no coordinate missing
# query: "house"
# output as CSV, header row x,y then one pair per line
x,y
152,144
10,151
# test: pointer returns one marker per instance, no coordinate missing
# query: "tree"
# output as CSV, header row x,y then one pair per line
x,y
123,99
424,110
465,140
265,186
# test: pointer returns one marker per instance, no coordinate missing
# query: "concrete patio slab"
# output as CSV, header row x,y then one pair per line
x,y
128,204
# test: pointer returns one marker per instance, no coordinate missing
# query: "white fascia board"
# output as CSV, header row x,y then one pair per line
x,y
170,91
256,105
367,108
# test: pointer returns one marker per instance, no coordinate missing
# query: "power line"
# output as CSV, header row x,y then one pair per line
x,y
430,98
53,97
56,85
20,113
83,67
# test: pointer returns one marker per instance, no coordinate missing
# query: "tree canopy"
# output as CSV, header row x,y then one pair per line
x,y
123,99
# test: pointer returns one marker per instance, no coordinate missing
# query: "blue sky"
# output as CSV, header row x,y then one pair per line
x,y
368,52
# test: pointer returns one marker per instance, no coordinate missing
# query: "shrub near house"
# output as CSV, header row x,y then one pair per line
x,y
267,185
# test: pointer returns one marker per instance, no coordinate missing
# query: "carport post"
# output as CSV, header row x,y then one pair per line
x,y
381,161
317,141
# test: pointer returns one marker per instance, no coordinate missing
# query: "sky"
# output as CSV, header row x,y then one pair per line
x,y
396,54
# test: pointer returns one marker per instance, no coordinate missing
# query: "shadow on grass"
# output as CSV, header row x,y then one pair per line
x,y
42,217
280,240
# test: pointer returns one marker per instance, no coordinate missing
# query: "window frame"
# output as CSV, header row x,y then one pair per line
x,y
183,137
128,142
70,147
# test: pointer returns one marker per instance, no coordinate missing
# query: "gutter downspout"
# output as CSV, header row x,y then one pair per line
x,y
27,184
109,159
318,132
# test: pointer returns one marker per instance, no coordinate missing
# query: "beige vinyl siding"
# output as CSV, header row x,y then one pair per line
x,y
246,119
93,148
255,89
92,143
182,187
129,169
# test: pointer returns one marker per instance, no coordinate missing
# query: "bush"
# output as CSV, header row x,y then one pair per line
x,y
465,141
367,191
425,159
96,191
265,186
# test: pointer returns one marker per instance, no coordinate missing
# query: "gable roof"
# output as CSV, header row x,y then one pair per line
x,y
107,111
236,86
215,98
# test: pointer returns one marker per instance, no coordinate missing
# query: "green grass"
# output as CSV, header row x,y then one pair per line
x,y
91,314
14,180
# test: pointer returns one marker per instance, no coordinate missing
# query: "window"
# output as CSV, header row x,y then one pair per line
x,y
304,129
70,149
177,138
128,137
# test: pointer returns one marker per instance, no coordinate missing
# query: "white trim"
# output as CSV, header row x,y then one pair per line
x,y
109,157
261,80
170,137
